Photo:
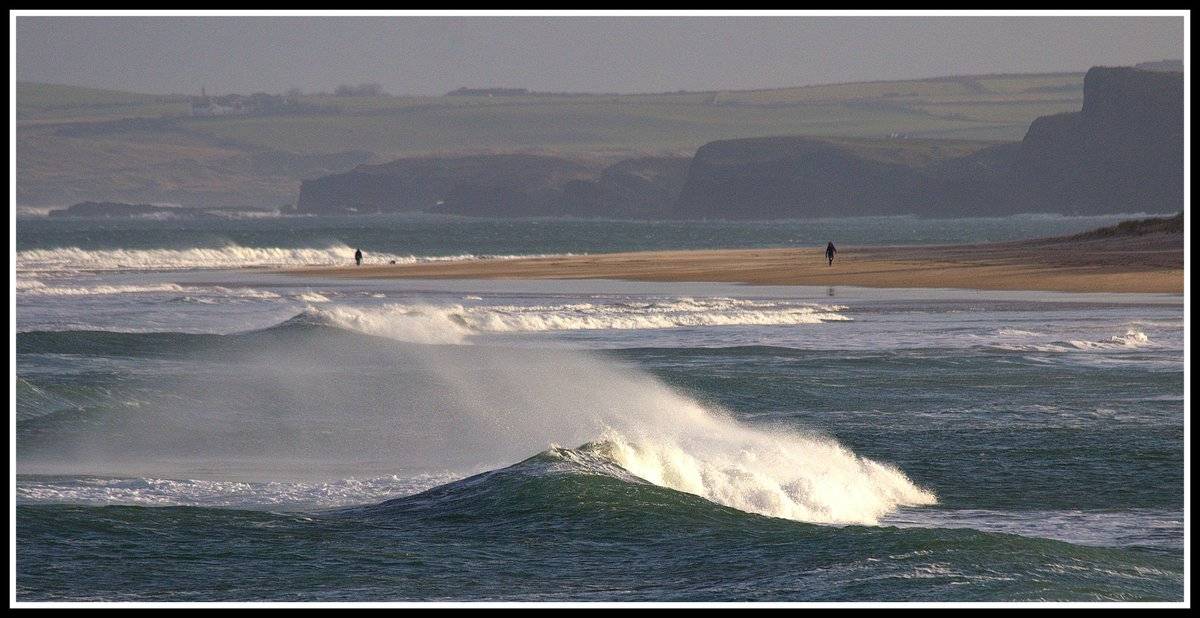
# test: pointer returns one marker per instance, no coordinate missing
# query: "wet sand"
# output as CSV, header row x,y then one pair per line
x,y
1145,263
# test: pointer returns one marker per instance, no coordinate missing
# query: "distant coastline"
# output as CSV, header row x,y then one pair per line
x,y
934,142
1122,151
119,210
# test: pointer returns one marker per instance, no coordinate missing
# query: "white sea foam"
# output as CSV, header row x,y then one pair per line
x,y
244,292
212,493
228,256
453,323
1131,340
29,284
784,474
97,290
1016,332
33,287
414,323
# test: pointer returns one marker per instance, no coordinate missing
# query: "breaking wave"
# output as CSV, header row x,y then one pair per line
x,y
453,323
442,407
784,474
1131,340
223,257
796,478
33,287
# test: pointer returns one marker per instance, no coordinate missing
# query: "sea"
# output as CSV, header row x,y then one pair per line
x,y
194,425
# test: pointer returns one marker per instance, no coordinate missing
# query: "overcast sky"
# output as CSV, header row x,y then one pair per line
x,y
432,55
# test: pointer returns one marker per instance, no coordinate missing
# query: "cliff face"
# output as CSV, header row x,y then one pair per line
x,y
1122,153
640,188
499,186
781,177
523,183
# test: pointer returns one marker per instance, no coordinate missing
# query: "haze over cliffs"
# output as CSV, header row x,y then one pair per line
x,y
951,146
502,185
522,183
80,144
1123,152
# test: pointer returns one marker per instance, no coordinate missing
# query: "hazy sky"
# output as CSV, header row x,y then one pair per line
x,y
432,55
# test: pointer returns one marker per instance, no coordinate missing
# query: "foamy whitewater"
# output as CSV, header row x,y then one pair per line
x,y
228,256
192,429
456,323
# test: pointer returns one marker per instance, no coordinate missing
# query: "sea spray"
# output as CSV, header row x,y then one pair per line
x,y
317,403
782,474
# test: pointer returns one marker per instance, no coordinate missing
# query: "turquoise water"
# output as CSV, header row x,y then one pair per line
x,y
186,433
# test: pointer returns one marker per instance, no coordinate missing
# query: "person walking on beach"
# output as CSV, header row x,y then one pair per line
x,y
358,257
830,251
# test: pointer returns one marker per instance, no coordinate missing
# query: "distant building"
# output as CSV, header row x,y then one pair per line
x,y
489,92
245,105
205,106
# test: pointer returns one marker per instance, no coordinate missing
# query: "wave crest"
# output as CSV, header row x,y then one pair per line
x,y
785,475
454,323
1131,340
74,259
33,287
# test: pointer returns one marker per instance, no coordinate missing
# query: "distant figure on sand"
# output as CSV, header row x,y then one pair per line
x,y
358,257
830,251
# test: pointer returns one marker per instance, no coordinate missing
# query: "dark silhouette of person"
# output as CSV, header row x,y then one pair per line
x,y
830,251
358,257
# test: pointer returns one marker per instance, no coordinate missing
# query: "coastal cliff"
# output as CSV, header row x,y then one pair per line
x,y
1122,152
500,185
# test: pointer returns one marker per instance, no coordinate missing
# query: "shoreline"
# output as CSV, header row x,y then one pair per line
x,y
1149,263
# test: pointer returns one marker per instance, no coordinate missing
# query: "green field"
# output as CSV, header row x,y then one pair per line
x,y
55,103
72,143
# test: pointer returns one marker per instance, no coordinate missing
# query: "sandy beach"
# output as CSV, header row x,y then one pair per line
x,y
1144,263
